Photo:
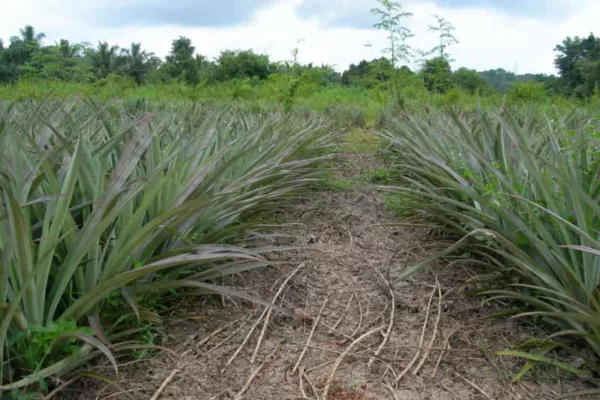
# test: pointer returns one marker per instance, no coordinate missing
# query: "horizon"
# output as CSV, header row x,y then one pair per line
x,y
518,37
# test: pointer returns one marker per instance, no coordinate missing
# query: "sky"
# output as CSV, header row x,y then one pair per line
x,y
517,35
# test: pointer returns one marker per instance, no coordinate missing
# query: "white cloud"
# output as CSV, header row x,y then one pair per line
x,y
488,38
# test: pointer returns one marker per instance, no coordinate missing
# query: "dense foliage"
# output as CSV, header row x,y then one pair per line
x,y
579,65
26,58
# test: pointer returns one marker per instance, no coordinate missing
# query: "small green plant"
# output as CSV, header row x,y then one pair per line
x,y
381,176
360,141
39,346
336,184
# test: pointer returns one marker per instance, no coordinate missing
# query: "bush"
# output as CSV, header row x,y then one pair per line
x,y
527,92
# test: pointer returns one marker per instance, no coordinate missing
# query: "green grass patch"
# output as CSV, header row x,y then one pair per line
x,y
335,184
361,140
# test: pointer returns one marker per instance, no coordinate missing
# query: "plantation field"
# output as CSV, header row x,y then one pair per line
x,y
190,249
183,222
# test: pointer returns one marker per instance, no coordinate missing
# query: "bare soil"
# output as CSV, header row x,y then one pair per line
x,y
357,332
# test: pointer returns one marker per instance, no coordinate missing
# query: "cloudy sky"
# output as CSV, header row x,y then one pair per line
x,y
518,35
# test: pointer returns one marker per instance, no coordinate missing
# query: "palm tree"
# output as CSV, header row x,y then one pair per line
x,y
68,50
103,59
29,36
137,62
24,46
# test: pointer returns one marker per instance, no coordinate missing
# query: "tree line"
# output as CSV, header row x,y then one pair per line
x,y
26,57
577,60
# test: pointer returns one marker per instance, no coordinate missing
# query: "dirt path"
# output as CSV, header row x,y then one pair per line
x,y
351,336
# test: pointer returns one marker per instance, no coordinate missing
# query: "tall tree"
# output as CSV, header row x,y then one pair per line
x,y
68,50
472,81
138,62
18,53
590,71
103,59
180,63
437,75
5,74
368,73
62,61
242,64
391,16
444,30
577,63
28,35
